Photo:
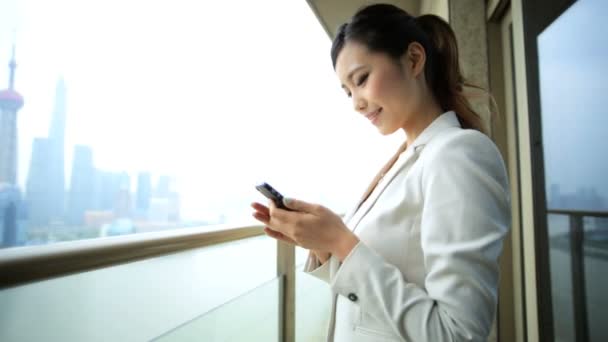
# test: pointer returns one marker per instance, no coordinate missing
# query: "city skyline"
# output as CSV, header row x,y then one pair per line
x,y
93,198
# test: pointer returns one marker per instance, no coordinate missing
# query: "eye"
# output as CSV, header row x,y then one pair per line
x,y
362,79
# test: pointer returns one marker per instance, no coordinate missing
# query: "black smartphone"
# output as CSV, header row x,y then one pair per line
x,y
272,194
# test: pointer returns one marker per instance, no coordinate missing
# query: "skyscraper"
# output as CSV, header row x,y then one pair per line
x,y
39,199
80,197
10,205
106,187
45,193
122,199
162,187
144,191
10,103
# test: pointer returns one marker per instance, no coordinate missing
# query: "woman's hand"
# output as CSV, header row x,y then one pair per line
x,y
311,226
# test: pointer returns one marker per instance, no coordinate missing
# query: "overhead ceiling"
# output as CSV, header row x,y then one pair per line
x,y
332,13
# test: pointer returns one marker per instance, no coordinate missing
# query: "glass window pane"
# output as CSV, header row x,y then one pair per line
x,y
128,116
573,64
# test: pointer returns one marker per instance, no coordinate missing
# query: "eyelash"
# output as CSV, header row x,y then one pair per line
x,y
359,82
362,80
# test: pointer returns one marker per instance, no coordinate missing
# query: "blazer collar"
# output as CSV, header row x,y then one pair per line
x,y
409,156
443,121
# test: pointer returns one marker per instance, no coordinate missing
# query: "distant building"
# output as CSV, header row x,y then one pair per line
x,y
144,192
118,227
45,189
11,214
105,188
585,198
165,203
163,186
96,219
39,199
122,198
80,196
159,210
174,205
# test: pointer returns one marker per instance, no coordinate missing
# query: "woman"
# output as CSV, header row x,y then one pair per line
x,y
417,260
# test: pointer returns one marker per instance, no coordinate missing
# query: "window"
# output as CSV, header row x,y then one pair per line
x,y
572,55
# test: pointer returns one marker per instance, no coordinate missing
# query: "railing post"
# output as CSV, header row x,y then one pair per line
x,y
577,235
287,297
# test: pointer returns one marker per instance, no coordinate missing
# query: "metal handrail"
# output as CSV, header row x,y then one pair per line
x,y
22,265
590,213
577,262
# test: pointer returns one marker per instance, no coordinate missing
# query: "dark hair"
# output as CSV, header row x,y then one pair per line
x,y
389,29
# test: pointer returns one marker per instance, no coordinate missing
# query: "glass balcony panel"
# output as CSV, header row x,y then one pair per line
x,y
253,316
137,301
313,300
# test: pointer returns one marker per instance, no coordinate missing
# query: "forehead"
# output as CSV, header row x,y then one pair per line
x,y
352,56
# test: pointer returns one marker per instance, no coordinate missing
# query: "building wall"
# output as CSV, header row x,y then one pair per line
x,y
437,7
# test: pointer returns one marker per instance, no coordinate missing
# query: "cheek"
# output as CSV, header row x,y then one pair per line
x,y
376,92
390,91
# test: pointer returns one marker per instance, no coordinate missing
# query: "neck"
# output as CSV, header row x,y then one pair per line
x,y
422,120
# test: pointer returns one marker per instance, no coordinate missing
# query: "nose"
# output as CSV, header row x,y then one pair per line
x,y
359,103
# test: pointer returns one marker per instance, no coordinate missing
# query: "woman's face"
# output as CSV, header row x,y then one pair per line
x,y
385,91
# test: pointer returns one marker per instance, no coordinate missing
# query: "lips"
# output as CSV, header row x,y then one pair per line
x,y
373,115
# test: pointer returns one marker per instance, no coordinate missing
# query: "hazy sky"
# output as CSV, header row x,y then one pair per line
x,y
223,95
573,54
220,95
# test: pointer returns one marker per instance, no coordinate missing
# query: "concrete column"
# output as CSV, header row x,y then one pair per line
x,y
437,7
468,20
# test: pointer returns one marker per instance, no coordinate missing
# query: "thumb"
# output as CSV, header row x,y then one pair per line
x,y
298,205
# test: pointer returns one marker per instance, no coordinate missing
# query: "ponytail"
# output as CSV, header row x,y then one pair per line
x,y
388,29
444,75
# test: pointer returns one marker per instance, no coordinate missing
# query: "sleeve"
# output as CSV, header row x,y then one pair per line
x,y
314,267
465,216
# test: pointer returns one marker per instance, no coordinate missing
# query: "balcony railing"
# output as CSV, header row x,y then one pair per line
x,y
582,243
55,278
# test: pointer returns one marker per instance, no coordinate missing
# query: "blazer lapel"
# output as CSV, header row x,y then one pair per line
x,y
405,161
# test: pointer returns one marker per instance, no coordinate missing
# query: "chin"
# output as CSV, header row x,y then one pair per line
x,y
386,130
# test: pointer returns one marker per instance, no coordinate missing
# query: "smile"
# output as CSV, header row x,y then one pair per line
x,y
374,116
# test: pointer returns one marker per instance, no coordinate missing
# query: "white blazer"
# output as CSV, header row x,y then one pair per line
x,y
426,266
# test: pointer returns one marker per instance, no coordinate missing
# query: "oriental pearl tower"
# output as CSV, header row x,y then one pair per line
x,y
10,197
10,103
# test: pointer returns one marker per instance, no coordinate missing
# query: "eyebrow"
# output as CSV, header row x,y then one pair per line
x,y
351,73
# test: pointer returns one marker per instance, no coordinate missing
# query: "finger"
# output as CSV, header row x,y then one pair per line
x,y
276,214
302,206
260,207
282,216
278,236
265,219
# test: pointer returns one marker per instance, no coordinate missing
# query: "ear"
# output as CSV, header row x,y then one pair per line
x,y
414,59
